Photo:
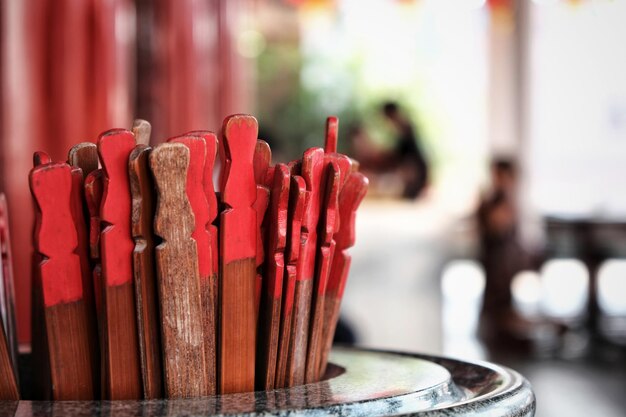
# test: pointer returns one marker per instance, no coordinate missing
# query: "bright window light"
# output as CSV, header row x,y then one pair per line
x,y
564,288
612,287
463,279
526,291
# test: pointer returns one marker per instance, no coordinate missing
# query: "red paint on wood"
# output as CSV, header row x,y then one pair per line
x,y
332,127
312,170
297,204
260,207
238,189
55,234
238,242
114,147
197,199
210,140
278,230
351,196
93,196
263,170
78,215
271,309
329,224
41,158
343,163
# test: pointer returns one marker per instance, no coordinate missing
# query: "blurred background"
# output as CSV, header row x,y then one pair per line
x,y
493,133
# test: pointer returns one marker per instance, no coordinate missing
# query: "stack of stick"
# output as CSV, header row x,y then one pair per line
x,y
148,283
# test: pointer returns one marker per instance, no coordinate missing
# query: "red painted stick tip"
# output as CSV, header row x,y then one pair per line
x,y
239,141
262,162
279,208
344,164
41,158
312,171
93,197
211,142
209,191
332,129
351,196
297,204
114,147
55,235
331,204
260,207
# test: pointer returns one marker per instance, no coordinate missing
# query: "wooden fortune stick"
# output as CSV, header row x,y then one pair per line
x,y
273,285
142,130
184,365
94,184
329,224
65,312
146,297
8,340
263,169
332,128
41,158
238,241
260,207
210,290
88,157
84,156
200,207
42,384
312,169
264,177
297,203
121,343
350,198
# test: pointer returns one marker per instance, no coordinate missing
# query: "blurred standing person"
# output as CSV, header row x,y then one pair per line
x,y
501,252
407,154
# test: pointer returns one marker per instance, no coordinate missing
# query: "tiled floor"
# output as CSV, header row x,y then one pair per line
x,y
393,294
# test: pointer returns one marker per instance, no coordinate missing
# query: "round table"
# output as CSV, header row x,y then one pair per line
x,y
358,383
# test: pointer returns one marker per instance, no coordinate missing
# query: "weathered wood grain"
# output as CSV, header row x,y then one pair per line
x,y
84,156
200,207
238,241
144,271
142,129
184,363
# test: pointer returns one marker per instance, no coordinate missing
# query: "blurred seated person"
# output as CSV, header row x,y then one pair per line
x,y
404,159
